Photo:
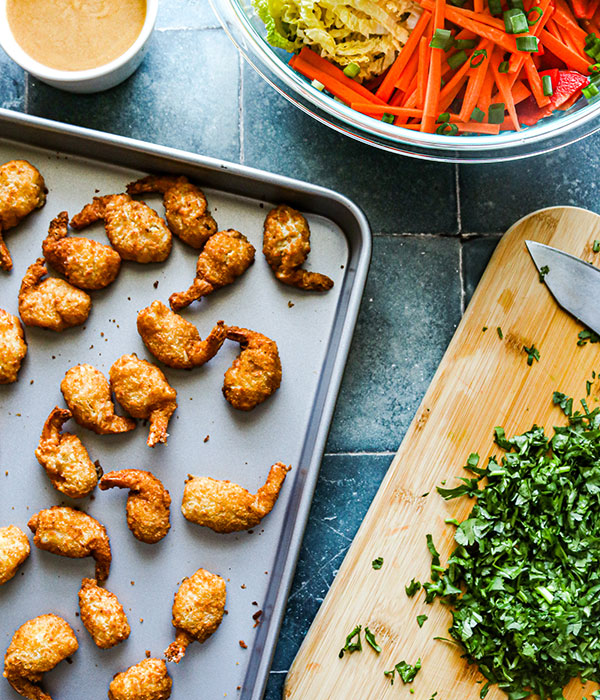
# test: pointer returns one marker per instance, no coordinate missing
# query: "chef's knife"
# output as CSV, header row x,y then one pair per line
x,y
574,283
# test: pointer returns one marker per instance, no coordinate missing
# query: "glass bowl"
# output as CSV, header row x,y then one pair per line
x,y
247,32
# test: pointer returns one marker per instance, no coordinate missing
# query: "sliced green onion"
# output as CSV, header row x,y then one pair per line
x,y
444,117
352,70
480,54
496,113
590,39
457,59
442,83
516,5
441,39
503,67
477,115
538,14
590,91
387,118
547,85
515,22
527,43
317,85
495,7
457,3
465,43
447,129
594,68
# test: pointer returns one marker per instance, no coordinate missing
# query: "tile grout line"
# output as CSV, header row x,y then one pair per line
x,y
384,453
241,111
461,275
457,194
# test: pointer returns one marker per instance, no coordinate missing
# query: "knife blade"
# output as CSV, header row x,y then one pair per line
x,y
574,283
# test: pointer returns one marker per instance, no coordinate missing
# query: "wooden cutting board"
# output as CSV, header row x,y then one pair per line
x,y
482,382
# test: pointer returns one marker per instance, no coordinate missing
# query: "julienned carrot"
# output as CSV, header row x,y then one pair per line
x,y
573,60
535,82
409,72
485,95
479,128
476,79
313,59
502,81
387,86
432,94
564,17
422,70
370,108
519,92
335,87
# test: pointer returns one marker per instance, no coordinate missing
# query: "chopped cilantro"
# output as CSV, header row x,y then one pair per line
x,y
596,246
412,588
543,272
353,642
421,619
499,332
377,563
370,637
484,329
586,336
532,354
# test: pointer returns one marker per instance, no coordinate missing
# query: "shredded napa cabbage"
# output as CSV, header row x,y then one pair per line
x,y
366,32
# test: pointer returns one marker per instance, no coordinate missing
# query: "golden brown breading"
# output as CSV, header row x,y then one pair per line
x,y
198,609
71,533
286,245
102,615
186,209
13,347
148,503
51,303
37,647
175,341
64,458
226,507
135,230
87,393
143,391
148,680
85,263
22,189
256,373
14,549
226,256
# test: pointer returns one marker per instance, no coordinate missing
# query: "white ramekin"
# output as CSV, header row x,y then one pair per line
x,y
92,79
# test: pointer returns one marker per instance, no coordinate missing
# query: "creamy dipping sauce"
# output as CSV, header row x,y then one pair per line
x,y
75,34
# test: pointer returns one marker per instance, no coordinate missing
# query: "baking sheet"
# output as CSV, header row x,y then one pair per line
x,y
207,436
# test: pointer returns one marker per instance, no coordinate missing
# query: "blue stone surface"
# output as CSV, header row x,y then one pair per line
x,y
435,227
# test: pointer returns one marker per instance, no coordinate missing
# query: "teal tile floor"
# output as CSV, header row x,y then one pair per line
x,y
435,227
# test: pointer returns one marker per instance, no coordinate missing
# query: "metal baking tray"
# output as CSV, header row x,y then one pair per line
x,y
313,333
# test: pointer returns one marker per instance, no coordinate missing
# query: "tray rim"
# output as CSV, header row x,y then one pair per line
x,y
345,213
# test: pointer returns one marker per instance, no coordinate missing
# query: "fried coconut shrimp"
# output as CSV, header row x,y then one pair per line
x,y
71,533
148,504
186,209
22,189
102,615
85,263
175,341
37,647
226,507
13,347
51,303
143,391
226,256
198,609
65,459
148,680
256,373
135,230
14,549
87,393
286,245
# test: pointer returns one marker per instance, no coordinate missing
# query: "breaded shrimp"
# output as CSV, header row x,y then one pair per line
x,y
148,503
226,507
186,209
71,533
256,373
13,347
148,680
226,256
85,263
65,459
37,647
51,303
14,549
102,615
22,189
286,245
175,341
198,609
87,393
135,230
144,392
